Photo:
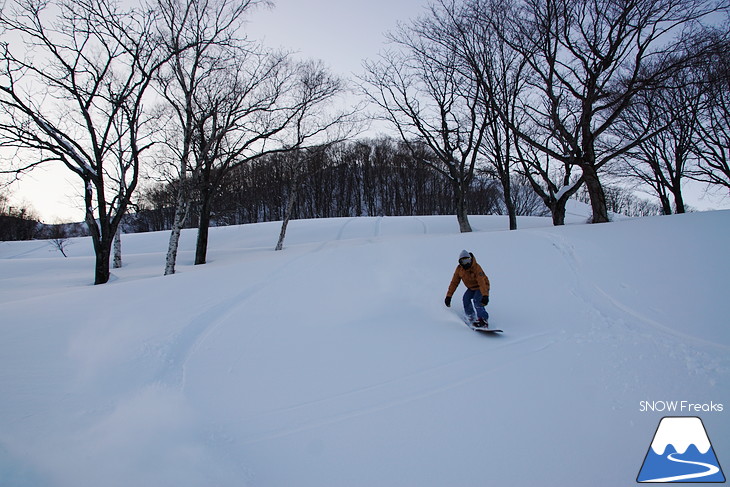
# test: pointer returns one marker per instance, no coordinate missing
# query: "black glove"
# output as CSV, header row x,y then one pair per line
x,y
447,301
485,300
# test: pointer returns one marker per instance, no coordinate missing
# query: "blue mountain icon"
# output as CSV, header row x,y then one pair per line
x,y
681,452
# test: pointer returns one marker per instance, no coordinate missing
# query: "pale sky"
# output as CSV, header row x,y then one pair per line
x,y
341,33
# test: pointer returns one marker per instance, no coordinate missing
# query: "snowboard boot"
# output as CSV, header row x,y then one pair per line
x,y
481,323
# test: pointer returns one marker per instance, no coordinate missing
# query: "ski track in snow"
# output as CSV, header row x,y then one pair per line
x,y
399,391
640,317
423,223
188,340
598,299
341,233
31,250
692,350
460,362
183,344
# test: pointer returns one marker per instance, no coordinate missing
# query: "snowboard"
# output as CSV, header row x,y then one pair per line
x,y
485,330
482,329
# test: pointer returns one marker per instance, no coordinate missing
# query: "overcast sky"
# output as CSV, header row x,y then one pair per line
x,y
342,33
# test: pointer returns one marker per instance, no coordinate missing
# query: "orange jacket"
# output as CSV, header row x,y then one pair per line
x,y
473,277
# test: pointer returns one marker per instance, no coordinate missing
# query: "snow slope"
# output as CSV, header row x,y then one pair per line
x,y
335,362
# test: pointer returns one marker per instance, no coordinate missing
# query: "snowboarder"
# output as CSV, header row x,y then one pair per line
x,y
476,296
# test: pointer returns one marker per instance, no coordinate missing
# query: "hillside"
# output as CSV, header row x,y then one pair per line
x,y
336,363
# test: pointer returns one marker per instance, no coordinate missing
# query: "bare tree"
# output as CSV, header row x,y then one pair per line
x,y
525,200
201,36
316,121
587,61
552,180
503,72
422,90
264,103
662,162
72,88
474,29
713,147
58,237
60,243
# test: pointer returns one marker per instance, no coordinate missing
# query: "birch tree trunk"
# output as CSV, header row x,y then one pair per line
x,y
117,264
181,214
287,215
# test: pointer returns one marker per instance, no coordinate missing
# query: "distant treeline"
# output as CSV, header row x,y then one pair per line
x,y
20,222
378,177
26,226
358,178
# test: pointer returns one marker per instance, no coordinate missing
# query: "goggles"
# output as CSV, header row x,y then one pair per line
x,y
465,261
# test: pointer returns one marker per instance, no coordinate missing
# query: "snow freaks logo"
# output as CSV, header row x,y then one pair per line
x,y
680,452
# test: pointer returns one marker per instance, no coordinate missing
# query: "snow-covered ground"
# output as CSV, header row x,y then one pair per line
x,y
336,363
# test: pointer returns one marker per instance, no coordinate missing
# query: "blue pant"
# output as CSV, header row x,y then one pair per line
x,y
473,301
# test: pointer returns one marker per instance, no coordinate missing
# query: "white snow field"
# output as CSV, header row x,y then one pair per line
x,y
335,362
